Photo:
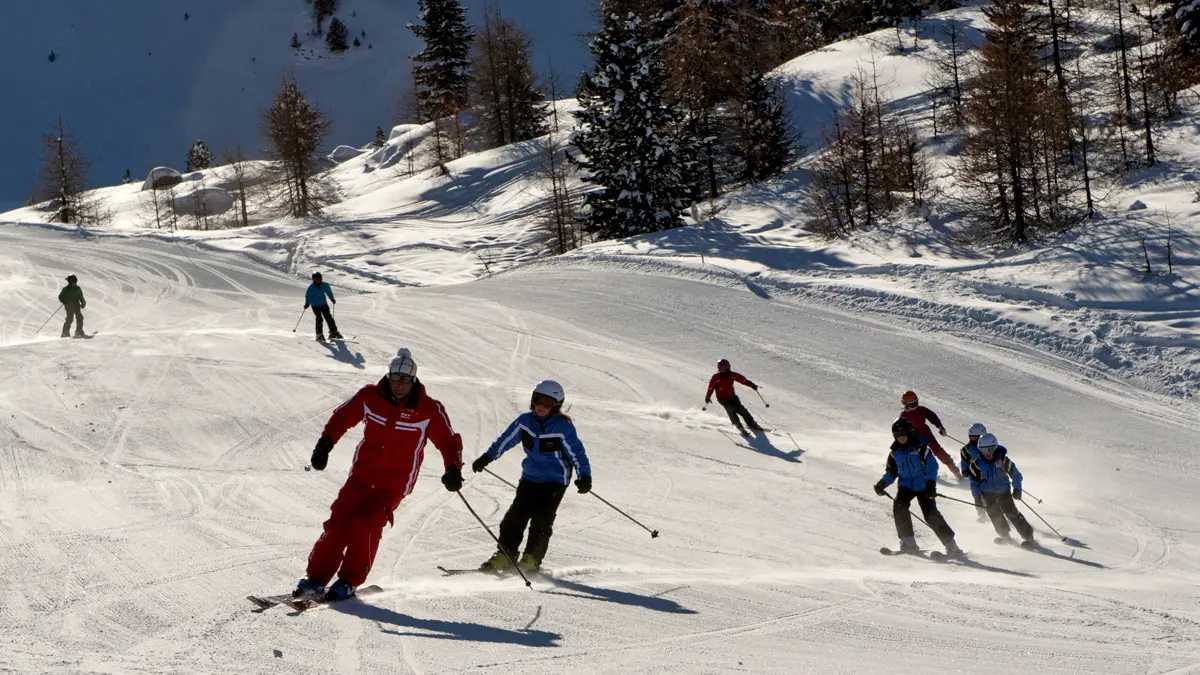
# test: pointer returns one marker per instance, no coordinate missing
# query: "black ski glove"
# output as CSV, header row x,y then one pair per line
x,y
931,489
584,484
1017,495
481,463
453,479
306,306
879,488
320,456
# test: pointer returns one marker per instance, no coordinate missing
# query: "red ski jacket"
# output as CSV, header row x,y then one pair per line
x,y
393,445
723,384
918,417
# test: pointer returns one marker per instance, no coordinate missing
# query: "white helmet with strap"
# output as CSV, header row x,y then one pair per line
x,y
552,389
977,429
987,444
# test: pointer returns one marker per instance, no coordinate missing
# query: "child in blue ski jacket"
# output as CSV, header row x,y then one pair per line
x,y
992,475
315,296
912,463
964,461
552,451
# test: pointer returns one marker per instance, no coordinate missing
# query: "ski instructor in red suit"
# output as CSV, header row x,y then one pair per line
x,y
399,417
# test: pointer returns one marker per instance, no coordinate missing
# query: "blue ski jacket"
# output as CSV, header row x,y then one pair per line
x,y
912,463
552,448
964,458
314,296
991,476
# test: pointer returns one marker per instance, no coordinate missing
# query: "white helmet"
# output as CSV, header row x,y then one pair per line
x,y
550,388
987,444
403,363
977,429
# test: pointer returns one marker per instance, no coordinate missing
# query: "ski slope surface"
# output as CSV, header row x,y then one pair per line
x,y
152,477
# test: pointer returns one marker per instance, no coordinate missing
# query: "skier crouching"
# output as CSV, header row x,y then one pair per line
x,y
912,463
990,471
552,449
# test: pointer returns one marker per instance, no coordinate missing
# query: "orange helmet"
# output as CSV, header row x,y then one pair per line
x,y
909,398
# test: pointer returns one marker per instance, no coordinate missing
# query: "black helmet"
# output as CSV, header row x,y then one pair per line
x,y
902,426
72,279
317,275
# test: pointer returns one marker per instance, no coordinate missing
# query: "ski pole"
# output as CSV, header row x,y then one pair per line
x,y
954,439
498,545
1044,521
48,319
653,533
960,501
1030,495
704,407
300,319
760,396
501,479
885,494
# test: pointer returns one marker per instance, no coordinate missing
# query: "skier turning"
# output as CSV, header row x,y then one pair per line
x,y
722,382
314,296
552,449
918,414
399,417
990,471
973,433
911,462
71,298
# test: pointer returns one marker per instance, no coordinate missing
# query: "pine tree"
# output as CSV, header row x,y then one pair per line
x,y
127,178
765,141
295,41
894,13
198,157
336,38
380,137
508,106
627,151
442,71
1187,23
64,173
320,10
295,131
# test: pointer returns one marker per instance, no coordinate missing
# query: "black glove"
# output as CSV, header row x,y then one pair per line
x,y
879,488
584,484
931,489
452,479
1017,495
481,463
333,301
320,456
306,306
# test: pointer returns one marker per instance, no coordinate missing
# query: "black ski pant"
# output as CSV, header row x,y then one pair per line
x,y
929,510
73,313
733,406
1001,508
322,312
535,505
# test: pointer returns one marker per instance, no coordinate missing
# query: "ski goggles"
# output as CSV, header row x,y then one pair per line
x,y
400,377
911,405
543,400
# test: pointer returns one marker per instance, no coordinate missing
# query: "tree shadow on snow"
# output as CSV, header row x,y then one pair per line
x,y
654,602
761,444
448,630
340,352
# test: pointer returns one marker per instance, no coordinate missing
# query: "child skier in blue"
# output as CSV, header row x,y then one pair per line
x,y
552,450
964,460
912,463
992,473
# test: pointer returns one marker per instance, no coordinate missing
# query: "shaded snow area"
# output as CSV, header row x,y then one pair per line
x,y
152,478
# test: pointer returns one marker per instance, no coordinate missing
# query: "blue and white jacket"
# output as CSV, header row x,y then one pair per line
x,y
913,463
315,294
552,448
991,476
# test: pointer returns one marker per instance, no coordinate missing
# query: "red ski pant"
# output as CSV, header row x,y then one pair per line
x,y
939,451
348,545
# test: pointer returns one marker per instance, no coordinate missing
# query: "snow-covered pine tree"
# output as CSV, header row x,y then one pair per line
x,y
295,41
1187,22
198,157
335,39
628,152
765,141
441,73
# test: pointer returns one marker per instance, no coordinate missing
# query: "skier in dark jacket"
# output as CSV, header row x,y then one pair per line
x,y
314,296
912,463
71,297
992,473
973,433
722,382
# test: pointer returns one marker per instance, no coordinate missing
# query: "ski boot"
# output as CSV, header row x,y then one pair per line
x,y
80,334
527,563
497,564
308,589
340,590
909,545
1029,544
320,337
66,333
953,551
756,429
742,430
1003,539
335,336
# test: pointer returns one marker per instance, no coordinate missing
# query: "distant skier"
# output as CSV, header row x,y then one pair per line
x,y
973,433
722,382
315,296
399,417
912,463
71,297
552,450
918,414
990,471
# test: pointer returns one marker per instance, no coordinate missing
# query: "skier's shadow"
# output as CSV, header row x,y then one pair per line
x,y
448,630
340,352
761,444
657,602
1050,553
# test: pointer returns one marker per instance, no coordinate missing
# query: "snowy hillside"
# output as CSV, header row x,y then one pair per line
x,y
138,84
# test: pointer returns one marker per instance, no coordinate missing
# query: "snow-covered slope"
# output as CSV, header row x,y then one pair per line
x,y
151,478
138,84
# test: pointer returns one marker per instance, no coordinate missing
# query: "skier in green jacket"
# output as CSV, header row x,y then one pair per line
x,y
71,297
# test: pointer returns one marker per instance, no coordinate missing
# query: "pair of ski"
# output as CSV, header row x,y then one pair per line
x,y
266,602
339,339
936,556
499,575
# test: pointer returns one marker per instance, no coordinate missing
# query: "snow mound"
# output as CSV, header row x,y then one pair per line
x,y
161,177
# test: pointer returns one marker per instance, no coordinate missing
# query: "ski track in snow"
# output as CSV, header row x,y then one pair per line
x,y
151,478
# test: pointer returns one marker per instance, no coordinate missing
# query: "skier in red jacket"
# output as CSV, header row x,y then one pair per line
x,y
918,414
400,417
722,382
